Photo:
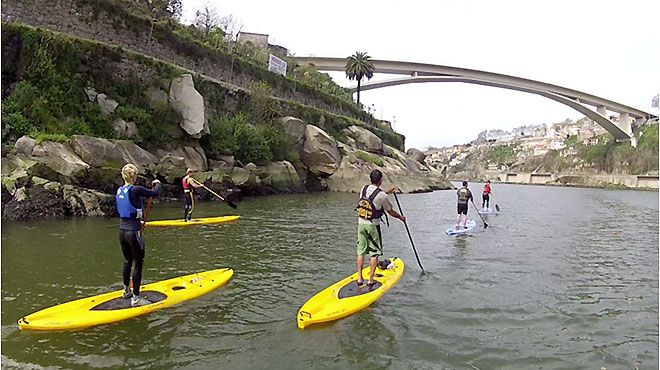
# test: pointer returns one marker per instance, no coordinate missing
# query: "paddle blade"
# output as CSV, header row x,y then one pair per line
x,y
497,207
231,204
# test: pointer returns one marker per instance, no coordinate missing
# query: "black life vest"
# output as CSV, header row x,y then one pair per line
x,y
366,207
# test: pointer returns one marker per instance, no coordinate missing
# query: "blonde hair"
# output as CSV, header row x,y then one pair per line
x,y
129,173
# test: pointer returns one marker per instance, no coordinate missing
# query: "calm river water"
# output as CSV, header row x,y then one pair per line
x,y
563,278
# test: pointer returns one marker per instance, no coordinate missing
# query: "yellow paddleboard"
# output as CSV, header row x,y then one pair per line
x,y
194,221
345,298
111,307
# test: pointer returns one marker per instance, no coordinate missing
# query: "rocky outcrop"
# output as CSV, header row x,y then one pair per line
x,y
99,152
52,200
106,104
194,157
171,167
190,104
24,145
353,174
416,154
365,139
320,153
295,129
282,177
61,159
126,130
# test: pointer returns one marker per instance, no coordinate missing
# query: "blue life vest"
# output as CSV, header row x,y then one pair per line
x,y
124,206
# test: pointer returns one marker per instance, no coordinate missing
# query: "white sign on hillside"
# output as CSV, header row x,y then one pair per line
x,y
276,65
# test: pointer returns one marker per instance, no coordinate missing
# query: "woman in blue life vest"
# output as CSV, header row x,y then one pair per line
x,y
189,185
373,203
130,207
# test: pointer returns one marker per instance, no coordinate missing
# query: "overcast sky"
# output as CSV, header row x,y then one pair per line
x,y
607,48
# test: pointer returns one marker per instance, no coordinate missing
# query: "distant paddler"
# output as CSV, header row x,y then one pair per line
x,y
372,205
464,197
485,197
130,206
189,185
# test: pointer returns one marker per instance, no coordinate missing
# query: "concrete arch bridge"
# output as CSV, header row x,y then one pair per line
x,y
596,108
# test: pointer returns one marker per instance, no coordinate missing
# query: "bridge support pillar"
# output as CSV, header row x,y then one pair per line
x,y
602,110
624,123
636,128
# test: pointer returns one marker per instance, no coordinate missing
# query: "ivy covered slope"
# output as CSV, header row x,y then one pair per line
x,y
74,111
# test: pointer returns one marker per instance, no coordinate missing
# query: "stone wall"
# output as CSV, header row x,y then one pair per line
x,y
630,181
107,22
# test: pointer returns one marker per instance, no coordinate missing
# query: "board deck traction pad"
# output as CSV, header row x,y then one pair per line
x,y
351,289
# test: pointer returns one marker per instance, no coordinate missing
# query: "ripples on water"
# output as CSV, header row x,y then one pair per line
x,y
562,279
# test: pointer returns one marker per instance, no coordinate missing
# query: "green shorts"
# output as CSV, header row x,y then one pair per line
x,y
369,240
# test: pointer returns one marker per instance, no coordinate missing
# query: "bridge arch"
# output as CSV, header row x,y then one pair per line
x,y
422,73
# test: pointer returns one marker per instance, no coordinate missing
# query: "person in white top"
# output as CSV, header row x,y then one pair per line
x,y
372,205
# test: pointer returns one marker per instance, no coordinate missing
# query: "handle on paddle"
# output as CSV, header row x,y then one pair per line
x,y
480,216
230,203
405,223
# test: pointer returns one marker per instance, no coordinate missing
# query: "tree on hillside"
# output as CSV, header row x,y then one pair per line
x,y
169,9
231,26
206,19
357,67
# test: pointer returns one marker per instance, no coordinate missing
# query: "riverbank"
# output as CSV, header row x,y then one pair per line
x,y
79,175
621,182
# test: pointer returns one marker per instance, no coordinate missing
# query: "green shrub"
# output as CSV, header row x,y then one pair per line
x,y
504,154
369,158
41,137
248,143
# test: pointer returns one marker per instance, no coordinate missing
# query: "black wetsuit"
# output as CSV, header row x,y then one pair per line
x,y
130,238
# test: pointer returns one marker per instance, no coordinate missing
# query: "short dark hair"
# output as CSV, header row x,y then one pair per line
x,y
464,183
375,176
488,181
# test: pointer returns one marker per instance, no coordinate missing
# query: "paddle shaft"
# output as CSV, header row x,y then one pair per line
x,y
231,204
480,216
405,223
150,202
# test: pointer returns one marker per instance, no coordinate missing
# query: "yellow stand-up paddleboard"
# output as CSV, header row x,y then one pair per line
x,y
345,297
194,221
111,307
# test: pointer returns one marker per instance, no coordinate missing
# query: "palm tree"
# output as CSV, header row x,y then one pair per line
x,y
358,66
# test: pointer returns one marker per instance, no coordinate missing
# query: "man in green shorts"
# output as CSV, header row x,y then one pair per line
x,y
372,205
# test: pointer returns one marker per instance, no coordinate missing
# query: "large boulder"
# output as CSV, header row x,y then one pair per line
x,y
282,177
365,139
99,152
126,130
223,163
61,159
190,104
194,157
106,104
320,153
416,155
144,160
171,167
24,145
244,178
295,130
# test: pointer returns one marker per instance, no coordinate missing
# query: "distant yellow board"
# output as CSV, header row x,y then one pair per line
x,y
111,307
194,221
345,297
